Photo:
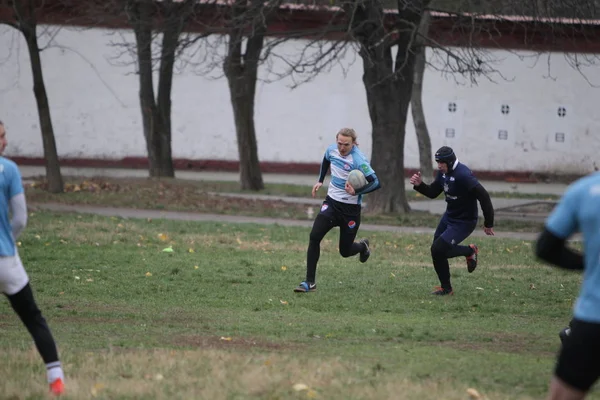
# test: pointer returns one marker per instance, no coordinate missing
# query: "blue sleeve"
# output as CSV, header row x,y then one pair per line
x,y
361,163
562,221
15,185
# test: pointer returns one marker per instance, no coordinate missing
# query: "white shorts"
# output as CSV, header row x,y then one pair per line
x,y
13,277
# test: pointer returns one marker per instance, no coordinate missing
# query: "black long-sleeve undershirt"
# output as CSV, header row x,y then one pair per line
x,y
324,168
486,205
432,191
553,250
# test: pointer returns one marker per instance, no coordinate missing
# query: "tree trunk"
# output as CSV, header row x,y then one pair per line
x,y
423,139
156,132
53,174
174,22
243,113
388,85
241,72
387,147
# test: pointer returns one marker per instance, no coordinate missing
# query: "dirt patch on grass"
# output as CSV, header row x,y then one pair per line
x,y
504,342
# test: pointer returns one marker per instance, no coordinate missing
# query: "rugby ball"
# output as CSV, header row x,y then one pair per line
x,y
357,179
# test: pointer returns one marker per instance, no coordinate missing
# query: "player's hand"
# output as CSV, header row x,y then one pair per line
x,y
416,180
489,231
315,188
349,189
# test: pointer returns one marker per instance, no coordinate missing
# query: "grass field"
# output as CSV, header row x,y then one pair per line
x,y
216,318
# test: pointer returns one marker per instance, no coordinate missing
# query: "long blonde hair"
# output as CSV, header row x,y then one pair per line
x,y
348,132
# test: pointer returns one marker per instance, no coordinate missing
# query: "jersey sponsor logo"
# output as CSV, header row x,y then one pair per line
x,y
324,207
446,187
364,168
351,224
451,179
347,167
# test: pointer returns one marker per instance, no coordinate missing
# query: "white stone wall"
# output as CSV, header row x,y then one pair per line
x,y
95,109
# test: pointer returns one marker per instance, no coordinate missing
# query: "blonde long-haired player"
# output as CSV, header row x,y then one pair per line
x,y
342,206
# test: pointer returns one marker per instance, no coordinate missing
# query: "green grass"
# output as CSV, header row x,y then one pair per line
x,y
217,318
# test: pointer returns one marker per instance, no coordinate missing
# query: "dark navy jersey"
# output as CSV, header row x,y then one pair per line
x,y
458,187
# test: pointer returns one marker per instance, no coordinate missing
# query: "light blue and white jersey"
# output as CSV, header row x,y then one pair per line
x,y
579,211
340,168
11,185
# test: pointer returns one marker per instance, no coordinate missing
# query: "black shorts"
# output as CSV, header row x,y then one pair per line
x,y
578,362
346,216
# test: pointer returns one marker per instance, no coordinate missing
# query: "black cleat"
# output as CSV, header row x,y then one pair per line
x,y
472,259
364,255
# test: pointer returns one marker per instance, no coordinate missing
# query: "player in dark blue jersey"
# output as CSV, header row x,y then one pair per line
x,y
578,364
342,205
462,191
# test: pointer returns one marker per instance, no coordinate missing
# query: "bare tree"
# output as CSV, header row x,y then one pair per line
x,y
419,120
169,18
247,22
157,28
244,24
388,82
24,20
241,27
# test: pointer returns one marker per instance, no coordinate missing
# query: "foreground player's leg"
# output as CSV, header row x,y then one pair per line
x,y
26,308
